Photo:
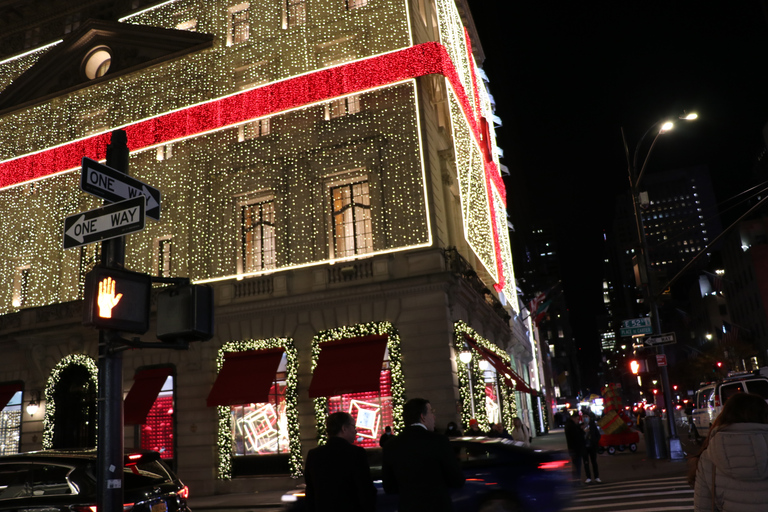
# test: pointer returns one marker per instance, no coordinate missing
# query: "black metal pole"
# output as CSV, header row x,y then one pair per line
x,y
109,493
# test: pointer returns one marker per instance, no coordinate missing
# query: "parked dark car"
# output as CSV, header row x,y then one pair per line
x,y
65,481
502,476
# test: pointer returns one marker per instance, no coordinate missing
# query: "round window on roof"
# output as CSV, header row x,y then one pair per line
x,y
97,62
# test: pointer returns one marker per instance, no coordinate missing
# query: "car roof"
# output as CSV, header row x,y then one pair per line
x,y
89,454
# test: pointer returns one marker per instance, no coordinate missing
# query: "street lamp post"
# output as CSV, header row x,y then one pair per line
x,y
663,126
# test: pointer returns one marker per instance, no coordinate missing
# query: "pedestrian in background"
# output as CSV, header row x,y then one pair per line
x,y
385,436
452,430
574,438
474,428
337,474
419,465
732,471
591,443
520,432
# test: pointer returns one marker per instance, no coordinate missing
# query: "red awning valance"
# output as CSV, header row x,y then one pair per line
x,y
7,391
246,377
351,365
511,378
146,386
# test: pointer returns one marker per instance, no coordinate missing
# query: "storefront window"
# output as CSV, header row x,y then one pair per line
x,y
371,410
10,426
262,428
157,429
492,396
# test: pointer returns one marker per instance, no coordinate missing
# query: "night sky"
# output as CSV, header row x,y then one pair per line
x,y
566,76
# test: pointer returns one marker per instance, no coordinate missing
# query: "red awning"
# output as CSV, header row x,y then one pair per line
x,y
6,393
511,377
351,365
246,377
146,386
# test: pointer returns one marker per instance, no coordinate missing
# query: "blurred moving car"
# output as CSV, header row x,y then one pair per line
x,y
502,475
65,481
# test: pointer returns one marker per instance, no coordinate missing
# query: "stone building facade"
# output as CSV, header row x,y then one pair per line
x,y
329,168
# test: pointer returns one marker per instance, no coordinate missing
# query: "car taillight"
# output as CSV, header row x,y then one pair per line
x,y
183,492
84,508
717,400
553,465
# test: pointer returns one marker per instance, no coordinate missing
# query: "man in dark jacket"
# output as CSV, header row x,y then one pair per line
x,y
337,474
420,465
591,444
574,437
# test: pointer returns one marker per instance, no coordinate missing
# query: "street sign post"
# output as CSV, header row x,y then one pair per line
x,y
661,360
636,326
660,339
112,185
111,221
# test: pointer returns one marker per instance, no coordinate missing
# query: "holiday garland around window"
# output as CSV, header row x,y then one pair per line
x,y
477,391
395,367
224,440
50,390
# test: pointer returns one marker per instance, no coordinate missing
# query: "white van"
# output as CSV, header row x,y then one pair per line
x,y
710,398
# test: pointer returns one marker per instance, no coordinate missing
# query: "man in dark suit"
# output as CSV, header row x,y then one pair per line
x,y
419,464
337,474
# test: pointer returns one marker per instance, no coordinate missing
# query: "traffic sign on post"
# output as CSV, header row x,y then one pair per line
x,y
111,221
660,339
636,326
112,185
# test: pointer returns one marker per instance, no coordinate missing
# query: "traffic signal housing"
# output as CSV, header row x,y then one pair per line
x,y
185,313
117,299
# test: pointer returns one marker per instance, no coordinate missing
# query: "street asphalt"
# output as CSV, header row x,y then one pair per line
x,y
623,466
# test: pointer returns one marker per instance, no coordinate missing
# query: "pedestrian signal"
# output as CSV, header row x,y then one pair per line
x,y
117,299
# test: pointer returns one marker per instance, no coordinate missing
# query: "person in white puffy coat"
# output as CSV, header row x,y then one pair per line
x,y
735,462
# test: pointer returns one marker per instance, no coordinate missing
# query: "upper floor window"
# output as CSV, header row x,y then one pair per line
x,y
257,246
163,254
294,13
189,26
239,25
21,286
254,129
354,4
10,418
342,107
351,219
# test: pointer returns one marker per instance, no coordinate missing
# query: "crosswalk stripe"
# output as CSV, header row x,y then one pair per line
x,y
653,495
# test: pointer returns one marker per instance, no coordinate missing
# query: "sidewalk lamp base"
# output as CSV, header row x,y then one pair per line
x,y
675,449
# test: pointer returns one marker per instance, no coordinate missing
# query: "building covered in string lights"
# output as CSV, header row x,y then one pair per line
x,y
329,168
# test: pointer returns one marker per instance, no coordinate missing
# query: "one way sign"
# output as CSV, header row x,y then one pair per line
x,y
110,184
111,221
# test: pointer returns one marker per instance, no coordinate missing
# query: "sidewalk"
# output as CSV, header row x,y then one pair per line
x,y
623,466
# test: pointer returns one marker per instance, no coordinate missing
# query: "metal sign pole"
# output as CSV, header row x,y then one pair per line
x,y
109,496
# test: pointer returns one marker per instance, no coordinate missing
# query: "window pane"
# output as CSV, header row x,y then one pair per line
x,y
10,426
157,431
260,429
372,411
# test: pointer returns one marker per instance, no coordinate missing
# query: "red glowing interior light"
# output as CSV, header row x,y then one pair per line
x,y
183,492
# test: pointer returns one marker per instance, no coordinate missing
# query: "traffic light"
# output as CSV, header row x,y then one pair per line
x,y
117,299
185,313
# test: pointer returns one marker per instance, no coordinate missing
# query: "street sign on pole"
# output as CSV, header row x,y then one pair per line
x,y
661,360
112,185
636,326
660,339
111,221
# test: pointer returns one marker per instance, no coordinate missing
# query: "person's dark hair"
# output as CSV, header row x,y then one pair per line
x,y
336,422
413,409
743,408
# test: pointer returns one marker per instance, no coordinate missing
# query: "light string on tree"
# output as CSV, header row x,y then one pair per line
x,y
395,367
50,391
224,436
476,392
